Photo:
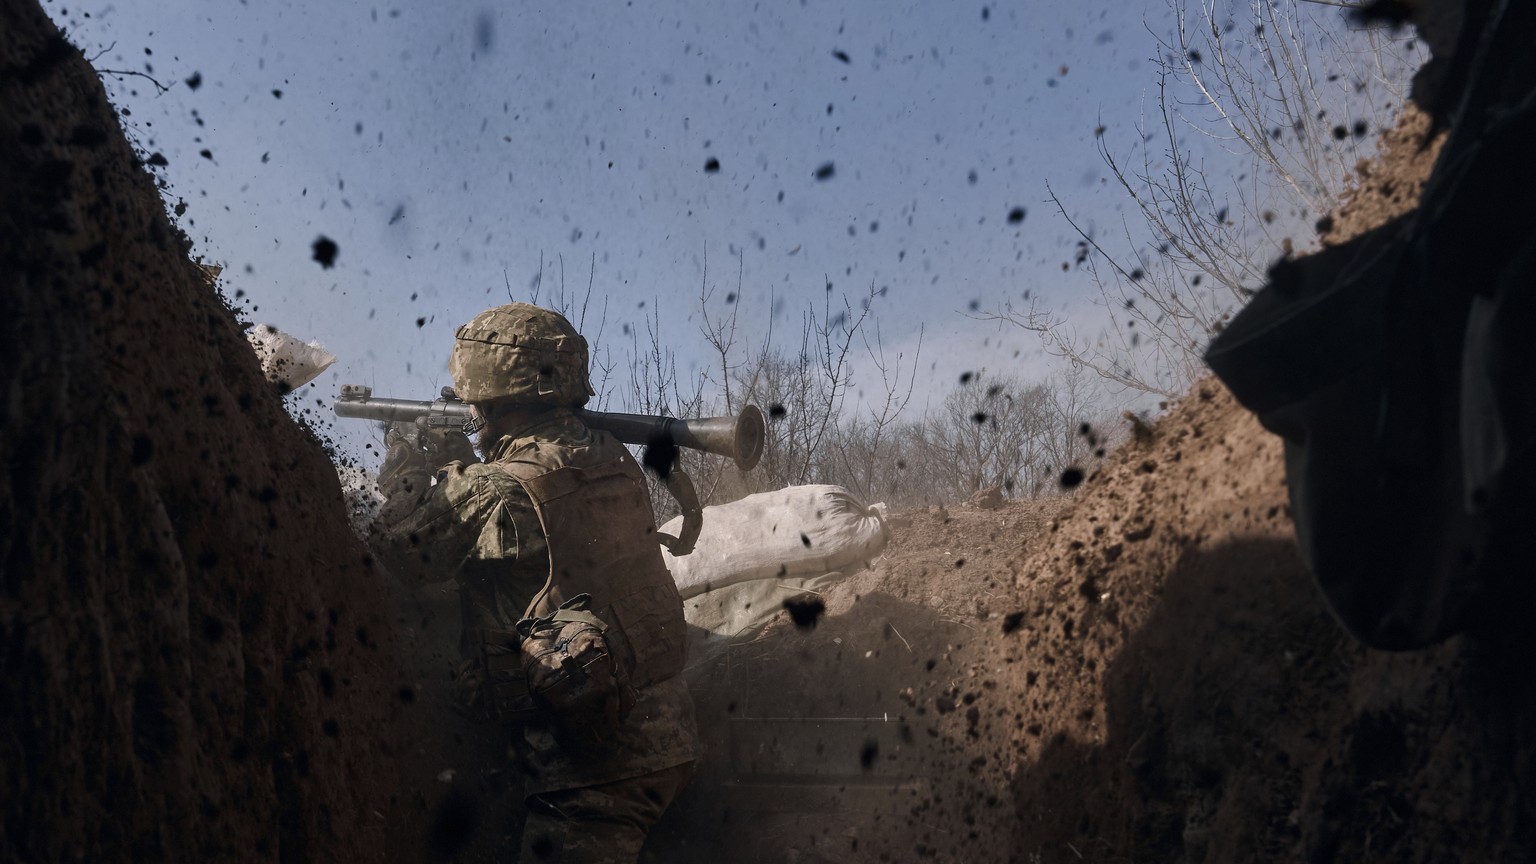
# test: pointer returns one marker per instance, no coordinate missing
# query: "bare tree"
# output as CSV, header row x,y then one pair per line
x,y
814,433
992,431
1282,100
1078,430
987,433
865,452
806,392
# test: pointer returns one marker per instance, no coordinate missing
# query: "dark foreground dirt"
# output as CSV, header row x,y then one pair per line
x,y
194,661
197,661
1175,691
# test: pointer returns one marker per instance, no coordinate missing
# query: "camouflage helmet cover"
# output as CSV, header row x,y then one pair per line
x,y
520,353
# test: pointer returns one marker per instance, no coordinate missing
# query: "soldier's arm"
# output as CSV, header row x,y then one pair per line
x,y
458,519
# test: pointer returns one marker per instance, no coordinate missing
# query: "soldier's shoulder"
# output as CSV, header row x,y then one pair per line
x,y
530,457
466,483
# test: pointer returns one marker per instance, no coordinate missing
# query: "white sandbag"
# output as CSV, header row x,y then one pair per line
x,y
795,532
285,360
735,610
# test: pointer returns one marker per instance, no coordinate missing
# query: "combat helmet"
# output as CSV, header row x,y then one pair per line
x,y
520,353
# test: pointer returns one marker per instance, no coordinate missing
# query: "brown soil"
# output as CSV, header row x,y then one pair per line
x,y
1145,673
195,663
1388,186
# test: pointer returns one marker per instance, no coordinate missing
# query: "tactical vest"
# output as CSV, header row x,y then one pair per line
x,y
597,520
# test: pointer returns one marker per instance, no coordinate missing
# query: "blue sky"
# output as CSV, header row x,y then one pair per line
x,y
446,147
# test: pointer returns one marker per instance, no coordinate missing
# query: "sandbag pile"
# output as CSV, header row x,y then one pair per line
x,y
791,533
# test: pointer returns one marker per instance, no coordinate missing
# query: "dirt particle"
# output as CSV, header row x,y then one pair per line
x,y
868,753
1012,622
660,456
325,250
143,449
805,612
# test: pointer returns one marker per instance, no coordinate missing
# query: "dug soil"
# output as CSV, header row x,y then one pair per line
x,y
1143,673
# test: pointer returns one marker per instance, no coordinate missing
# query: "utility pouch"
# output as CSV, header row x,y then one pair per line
x,y
570,670
504,692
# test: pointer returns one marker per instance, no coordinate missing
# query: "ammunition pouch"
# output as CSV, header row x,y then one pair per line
x,y
503,694
570,671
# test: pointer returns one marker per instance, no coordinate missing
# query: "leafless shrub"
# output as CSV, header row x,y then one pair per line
x,y
1282,100
826,427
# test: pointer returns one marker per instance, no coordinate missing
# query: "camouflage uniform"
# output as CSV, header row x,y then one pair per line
x,y
497,527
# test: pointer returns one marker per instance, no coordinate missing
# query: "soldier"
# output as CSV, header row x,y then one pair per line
x,y
554,529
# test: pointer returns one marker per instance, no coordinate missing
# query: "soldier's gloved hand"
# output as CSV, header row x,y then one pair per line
x,y
405,472
444,445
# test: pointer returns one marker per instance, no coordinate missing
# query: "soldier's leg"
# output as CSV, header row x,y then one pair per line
x,y
604,824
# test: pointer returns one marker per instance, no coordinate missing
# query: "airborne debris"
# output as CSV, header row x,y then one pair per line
x,y
325,250
485,32
660,456
805,611
868,753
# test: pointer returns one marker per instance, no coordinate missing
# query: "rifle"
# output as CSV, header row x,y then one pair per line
x,y
740,437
